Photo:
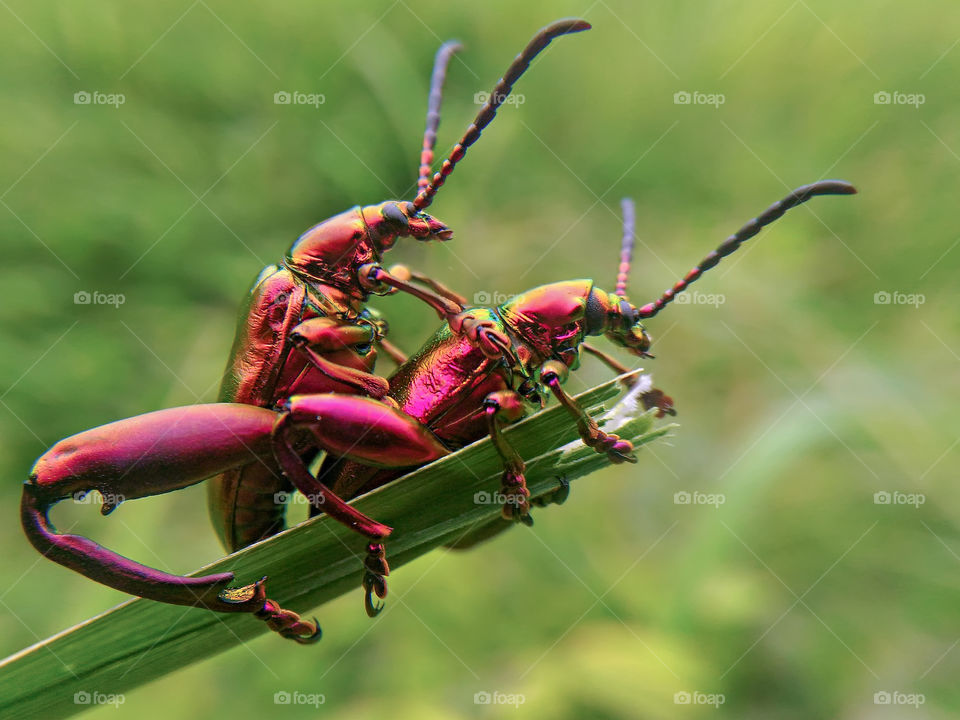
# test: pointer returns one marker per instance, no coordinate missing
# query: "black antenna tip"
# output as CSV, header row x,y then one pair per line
x,y
567,26
832,187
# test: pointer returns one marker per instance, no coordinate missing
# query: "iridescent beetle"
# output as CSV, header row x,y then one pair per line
x,y
450,393
305,327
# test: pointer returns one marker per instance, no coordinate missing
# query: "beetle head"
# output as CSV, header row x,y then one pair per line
x,y
552,321
332,251
391,220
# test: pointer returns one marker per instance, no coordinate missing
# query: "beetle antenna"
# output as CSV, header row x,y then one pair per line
x,y
626,246
440,64
772,213
500,93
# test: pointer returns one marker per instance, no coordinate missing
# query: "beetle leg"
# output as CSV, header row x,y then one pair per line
x,y
147,455
375,569
317,335
375,279
288,624
651,398
507,406
552,375
318,494
611,362
392,351
660,400
340,424
402,272
483,333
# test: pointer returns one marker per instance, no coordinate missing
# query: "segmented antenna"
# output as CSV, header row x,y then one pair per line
x,y
626,246
774,212
500,93
440,64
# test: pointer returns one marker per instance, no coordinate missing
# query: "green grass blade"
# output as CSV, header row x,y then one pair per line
x,y
308,565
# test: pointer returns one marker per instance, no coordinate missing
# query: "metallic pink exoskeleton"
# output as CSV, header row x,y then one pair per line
x,y
305,327
304,332
479,371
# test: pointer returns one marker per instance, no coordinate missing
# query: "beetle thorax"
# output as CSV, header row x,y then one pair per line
x,y
547,319
330,252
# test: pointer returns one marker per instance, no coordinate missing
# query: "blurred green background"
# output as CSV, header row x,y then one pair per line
x,y
800,395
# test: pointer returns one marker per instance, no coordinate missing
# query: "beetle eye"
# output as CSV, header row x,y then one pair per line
x,y
394,214
594,315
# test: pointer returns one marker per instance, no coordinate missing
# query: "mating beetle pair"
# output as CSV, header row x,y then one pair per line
x,y
300,381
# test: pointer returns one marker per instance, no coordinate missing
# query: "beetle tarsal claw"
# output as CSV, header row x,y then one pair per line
x,y
288,624
373,583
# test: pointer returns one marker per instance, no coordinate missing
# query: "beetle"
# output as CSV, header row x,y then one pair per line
x,y
450,393
460,394
304,327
